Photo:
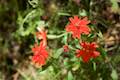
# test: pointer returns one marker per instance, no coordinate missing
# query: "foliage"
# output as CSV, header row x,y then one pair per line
x,y
18,26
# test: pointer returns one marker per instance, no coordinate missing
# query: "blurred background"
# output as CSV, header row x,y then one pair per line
x,y
18,22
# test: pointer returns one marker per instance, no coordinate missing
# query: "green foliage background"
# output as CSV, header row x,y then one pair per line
x,y
18,22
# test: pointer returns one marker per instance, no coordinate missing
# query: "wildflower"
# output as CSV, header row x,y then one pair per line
x,y
38,59
42,35
40,54
88,51
66,48
78,26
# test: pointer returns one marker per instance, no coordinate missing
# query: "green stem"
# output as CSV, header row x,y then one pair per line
x,y
27,17
55,36
72,48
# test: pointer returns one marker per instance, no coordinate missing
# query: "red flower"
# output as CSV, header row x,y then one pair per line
x,y
88,51
38,59
78,26
66,48
42,35
40,54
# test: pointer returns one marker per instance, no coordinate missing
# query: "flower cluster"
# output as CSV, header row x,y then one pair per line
x,y
40,52
77,27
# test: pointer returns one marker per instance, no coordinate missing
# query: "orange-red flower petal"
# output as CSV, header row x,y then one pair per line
x,y
78,26
88,51
40,54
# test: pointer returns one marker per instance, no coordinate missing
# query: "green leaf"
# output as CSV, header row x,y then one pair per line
x,y
64,40
47,74
82,13
40,23
58,52
114,75
76,66
90,37
33,3
100,34
70,76
115,6
94,66
29,30
102,51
